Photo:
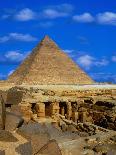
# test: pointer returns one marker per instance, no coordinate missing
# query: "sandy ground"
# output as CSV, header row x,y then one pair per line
x,y
62,87
72,87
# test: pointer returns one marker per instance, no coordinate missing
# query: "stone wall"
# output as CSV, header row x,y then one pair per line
x,y
97,106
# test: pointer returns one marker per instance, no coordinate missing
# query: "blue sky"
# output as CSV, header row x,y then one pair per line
x,y
85,30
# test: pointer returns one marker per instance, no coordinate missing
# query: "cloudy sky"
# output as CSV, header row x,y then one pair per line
x,y
85,30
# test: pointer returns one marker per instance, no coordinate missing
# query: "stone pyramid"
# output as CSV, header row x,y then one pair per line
x,y
47,64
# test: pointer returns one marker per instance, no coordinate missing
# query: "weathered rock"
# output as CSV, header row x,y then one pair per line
x,y
36,133
104,148
13,121
51,148
2,152
24,149
14,144
6,136
88,152
71,128
64,127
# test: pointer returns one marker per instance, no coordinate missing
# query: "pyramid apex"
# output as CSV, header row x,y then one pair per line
x,y
46,38
47,41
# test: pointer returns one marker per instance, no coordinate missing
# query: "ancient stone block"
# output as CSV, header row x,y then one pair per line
x,y
24,149
2,152
51,148
26,111
13,121
54,108
40,108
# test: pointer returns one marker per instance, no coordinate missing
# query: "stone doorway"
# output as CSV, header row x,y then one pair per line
x,y
48,109
63,108
8,107
33,108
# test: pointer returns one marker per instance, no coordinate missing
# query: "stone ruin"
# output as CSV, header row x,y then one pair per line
x,y
50,106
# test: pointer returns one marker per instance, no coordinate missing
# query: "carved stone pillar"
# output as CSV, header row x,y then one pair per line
x,y
40,108
54,108
69,110
82,115
62,111
75,116
26,111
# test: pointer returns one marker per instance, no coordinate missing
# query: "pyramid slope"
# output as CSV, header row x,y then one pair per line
x,y
47,64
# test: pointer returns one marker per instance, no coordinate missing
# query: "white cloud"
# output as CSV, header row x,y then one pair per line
x,y
13,57
102,62
68,51
10,72
88,61
114,58
25,15
17,37
106,18
50,13
16,56
83,18
22,37
104,77
56,11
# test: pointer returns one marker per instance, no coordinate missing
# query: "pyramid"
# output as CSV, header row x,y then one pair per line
x,y
47,64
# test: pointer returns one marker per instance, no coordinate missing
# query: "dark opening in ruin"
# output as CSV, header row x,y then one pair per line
x,y
33,108
104,103
88,101
74,106
8,105
63,108
47,109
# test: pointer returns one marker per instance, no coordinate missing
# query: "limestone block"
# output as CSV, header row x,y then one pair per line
x,y
13,121
62,111
75,116
82,117
54,108
26,111
14,144
71,128
2,152
69,111
40,108
37,134
51,148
